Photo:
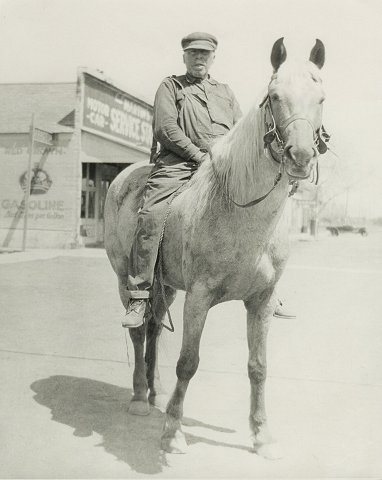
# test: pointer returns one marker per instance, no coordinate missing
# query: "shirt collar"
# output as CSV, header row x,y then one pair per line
x,y
192,80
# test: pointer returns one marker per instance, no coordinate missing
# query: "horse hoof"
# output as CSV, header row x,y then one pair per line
x,y
139,407
174,444
159,401
270,451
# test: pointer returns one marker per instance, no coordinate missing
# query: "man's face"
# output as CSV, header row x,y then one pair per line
x,y
198,62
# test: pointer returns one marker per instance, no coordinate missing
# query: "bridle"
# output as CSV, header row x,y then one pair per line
x,y
274,132
274,135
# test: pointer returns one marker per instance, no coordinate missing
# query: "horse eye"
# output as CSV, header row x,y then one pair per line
x,y
321,100
275,97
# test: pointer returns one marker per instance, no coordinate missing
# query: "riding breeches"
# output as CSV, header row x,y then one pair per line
x,y
162,183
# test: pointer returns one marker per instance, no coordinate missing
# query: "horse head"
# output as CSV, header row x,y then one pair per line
x,y
295,100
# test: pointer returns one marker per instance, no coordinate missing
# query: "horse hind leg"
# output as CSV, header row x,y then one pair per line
x,y
259,313
139,404
157,396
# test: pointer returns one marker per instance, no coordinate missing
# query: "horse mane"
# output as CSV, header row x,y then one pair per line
x,y
236,158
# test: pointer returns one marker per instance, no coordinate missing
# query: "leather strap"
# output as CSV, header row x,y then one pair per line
x,y
252,202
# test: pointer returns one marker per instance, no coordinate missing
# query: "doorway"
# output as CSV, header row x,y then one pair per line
x,y
96,179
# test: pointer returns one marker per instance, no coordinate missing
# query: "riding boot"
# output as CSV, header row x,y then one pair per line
x,y
136,308
135,313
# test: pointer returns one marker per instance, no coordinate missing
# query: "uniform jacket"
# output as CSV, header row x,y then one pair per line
x,y
190,114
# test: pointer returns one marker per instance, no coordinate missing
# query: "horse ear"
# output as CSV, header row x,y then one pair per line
x,y
317,55
278,55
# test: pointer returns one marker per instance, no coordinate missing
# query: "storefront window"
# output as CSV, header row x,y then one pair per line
x,y
88,190
104,188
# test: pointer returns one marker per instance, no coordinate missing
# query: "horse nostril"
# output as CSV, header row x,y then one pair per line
x,y
300,156
288,152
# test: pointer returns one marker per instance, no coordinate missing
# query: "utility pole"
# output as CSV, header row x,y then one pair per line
x,y
28,184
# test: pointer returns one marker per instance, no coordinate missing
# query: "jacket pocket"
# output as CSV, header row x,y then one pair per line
x,y
221,111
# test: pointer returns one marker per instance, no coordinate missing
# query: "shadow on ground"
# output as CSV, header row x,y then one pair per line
x,y
90,406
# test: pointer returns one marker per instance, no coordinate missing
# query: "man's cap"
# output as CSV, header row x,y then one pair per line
x,y
199,41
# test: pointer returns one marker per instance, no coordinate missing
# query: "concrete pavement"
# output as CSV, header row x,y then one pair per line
x,y
67,380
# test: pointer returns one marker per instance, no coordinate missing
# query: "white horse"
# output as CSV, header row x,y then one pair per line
x,y
216,249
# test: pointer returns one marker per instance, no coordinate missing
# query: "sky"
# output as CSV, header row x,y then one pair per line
x,y
137,44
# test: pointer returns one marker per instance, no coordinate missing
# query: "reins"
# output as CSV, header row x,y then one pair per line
x,y
273,133
267,145
252,202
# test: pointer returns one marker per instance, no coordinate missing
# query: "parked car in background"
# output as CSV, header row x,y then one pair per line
x,y
336,230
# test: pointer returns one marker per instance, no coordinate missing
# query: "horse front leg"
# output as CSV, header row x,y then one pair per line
x,y
259,314
195,312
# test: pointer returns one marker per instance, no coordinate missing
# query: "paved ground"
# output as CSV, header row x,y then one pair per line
x,y
67,381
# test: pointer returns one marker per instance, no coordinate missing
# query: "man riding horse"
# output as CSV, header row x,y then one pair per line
x,y
191,112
